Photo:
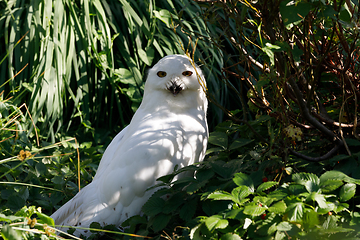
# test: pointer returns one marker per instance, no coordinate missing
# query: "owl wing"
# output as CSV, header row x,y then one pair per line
x,y
110,151
85,205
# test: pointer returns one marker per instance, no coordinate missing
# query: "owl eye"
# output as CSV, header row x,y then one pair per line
x,y
161,74
187,73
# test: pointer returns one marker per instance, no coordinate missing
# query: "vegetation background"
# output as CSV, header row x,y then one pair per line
x,y
283,82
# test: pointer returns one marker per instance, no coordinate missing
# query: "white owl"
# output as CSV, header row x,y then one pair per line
x,y
168,129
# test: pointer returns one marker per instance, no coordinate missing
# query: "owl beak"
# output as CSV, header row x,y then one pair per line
x,y
174,87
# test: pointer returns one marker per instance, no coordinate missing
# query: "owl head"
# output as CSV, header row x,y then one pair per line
x,y
175,75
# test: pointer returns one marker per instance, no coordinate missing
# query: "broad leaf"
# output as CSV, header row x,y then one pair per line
x,y
266,185
310,219
319,198
279,207
215,222
309,180
293,12
8,233
284,226
240,142
347,192
160,221
295,211
254,210
45,219
230,236
188,210
330,185
220,195
219,139
241,179
240,193
337,175
153,206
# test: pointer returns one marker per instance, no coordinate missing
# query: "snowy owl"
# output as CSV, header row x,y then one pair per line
x,y
168,129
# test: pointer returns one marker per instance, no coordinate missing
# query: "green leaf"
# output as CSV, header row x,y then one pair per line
x,y
8,233
239,194
309,180
347,192
295,211
240,142
147,56
311,219
329,12
230,236
284,226
279,207
264,200
195,232
58,180
165,16
204,174
173,203
187,212
277,194
241,179
345,15
319,198
45,219
337,175
10,218
219,139
254,210
95,225
125,76
153,206
215,222
330,222
235,214
41,169
269,50
293,12
330,206
220,195
338,207
330,185
160,221
15,202
339,157
214,149
266,185
352,142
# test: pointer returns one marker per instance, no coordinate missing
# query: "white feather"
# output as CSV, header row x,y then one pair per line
x,y
168,129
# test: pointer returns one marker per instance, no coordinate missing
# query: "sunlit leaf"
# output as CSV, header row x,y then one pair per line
x,y
284,226
319,198
242,179
309,180
254,210
279,207
295,211
347,192
337,175
266,185
8,233
230,236
215,222
330,185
